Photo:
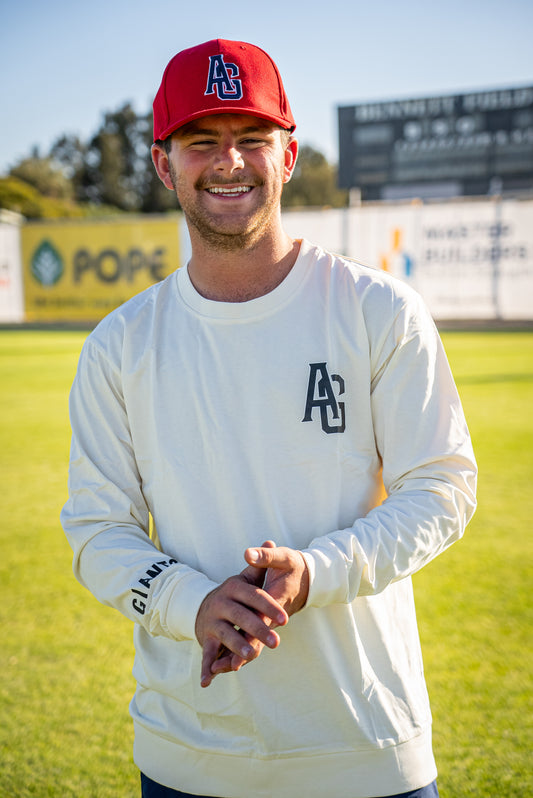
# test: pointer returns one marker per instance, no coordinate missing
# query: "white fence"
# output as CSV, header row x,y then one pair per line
x,y
470,260
11,295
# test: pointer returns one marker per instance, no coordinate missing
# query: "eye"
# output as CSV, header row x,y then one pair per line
x,y
251,142
202,143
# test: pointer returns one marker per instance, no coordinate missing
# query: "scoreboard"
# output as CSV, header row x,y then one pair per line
x,y
467,144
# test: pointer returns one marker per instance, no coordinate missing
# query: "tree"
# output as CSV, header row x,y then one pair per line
x,y
69,154
114,170
112,157
17,195
45,176
313,183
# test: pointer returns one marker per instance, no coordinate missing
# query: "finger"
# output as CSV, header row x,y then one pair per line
x,y
223,664
266,557
251,626
220,649
209,654
242,628
237,662
256,575
236,616
228,662
232,662
237,603
253,575
220,658
249,604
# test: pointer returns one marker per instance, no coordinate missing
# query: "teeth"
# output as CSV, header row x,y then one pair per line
x,y
234,191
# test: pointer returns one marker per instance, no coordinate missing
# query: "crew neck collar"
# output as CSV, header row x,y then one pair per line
x,y
253,307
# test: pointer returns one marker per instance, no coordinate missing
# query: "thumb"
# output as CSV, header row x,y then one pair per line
x,y
255,572
258,557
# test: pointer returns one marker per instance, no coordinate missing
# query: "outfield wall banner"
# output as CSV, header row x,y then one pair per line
x,y
468,259
471,260
80,271
11,297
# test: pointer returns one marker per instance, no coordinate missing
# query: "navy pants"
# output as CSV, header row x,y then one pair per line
x,y
152,790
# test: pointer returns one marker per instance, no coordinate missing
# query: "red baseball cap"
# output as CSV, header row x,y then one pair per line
x,y
220,77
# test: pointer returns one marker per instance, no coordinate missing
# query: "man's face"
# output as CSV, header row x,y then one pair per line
x,y
228,172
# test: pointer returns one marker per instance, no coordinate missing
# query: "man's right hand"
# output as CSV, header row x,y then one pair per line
x,y
234,623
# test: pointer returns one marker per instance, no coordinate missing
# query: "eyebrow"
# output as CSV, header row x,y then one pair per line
x,y
191,130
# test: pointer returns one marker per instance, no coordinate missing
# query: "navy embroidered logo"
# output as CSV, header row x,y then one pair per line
x,y
321,395
222,79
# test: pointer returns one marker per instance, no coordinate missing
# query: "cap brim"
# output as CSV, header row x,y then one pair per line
x,y
225,109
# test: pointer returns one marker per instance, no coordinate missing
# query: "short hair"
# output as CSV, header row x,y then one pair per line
x,y
166,144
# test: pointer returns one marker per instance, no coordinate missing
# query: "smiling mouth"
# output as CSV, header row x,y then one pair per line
x,y
237,191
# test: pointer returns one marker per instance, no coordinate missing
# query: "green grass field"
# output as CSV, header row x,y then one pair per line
x,y
66,660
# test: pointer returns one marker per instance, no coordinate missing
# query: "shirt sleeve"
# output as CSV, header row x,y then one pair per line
x,y
429,469
106,518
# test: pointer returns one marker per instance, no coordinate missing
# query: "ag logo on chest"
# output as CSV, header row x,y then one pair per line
x,y
323,397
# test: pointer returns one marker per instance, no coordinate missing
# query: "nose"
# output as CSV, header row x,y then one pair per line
x,y
229,159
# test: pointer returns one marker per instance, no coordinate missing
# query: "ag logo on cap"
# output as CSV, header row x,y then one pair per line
x,y
222,79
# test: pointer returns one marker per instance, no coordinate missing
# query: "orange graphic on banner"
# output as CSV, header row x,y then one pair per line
x,y
396,260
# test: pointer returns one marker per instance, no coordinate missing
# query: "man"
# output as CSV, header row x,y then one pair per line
x,y
257,405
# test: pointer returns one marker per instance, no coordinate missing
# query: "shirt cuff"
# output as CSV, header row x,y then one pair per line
x,y
185,602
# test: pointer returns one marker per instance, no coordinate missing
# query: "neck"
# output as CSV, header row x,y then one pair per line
x,y
243,273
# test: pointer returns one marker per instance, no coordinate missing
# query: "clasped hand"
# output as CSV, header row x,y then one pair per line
x,y
237,619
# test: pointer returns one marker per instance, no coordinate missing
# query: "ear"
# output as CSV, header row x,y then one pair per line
x,y
291,154
162,165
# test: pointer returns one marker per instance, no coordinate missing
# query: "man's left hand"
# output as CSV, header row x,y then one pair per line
x,y
286,580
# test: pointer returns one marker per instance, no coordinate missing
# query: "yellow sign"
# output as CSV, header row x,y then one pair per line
x,y
80,271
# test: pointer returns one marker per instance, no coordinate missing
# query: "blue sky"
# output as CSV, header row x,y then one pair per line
x,y
65,62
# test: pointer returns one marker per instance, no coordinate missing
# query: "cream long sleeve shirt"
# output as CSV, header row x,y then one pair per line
x,y
283,418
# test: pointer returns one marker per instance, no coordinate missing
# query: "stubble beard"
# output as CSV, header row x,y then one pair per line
x,y
205,226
